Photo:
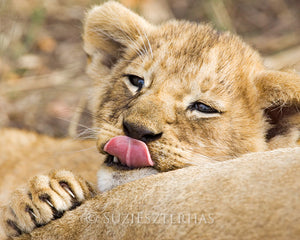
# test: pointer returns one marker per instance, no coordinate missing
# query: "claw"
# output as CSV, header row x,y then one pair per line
x,y
46,198
65,186
32,212
49,203
69,191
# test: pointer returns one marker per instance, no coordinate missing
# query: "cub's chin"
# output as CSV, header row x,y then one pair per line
x,y
112,174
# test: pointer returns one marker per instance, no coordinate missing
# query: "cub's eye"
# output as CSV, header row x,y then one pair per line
x,y
201,107
136,81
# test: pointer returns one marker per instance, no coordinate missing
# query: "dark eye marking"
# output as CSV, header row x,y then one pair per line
x,y
136,81
201,107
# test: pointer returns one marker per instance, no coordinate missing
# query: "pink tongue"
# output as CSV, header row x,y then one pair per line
x,y
129,151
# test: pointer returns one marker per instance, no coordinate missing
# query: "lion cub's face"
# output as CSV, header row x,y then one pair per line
x,y
191,94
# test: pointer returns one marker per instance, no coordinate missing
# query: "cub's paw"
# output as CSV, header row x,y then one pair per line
x,y
46,198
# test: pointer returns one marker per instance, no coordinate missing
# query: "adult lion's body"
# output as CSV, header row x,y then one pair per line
x,y
166,97
25,154
254,197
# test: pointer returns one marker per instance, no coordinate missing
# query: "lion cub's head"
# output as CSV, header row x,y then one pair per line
x,y
186,92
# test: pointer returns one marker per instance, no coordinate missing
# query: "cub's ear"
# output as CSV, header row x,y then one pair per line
x,y
280,98
110,29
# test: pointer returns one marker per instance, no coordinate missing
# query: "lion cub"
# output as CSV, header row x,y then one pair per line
x,y
165,97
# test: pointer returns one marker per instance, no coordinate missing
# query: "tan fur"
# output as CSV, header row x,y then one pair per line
x,y
25,154
181,63
253,197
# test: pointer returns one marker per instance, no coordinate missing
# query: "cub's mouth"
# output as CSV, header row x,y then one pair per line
x,y
128,152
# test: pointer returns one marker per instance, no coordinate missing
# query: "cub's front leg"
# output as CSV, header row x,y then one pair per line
x,y
45,198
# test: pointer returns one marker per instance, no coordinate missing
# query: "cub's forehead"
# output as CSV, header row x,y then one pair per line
x,y
184,39
199,57
187,43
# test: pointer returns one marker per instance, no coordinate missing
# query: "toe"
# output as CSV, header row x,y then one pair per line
x,y
51,204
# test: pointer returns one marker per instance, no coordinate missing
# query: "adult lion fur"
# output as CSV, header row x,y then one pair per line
x,y
252,197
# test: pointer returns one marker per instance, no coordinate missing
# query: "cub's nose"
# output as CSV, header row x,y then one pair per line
x,y
140,132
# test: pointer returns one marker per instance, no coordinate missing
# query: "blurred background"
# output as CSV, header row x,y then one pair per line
x,y
43,85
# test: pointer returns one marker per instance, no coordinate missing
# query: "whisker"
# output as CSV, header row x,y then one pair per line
x,y
144,45
71,121
132,42
148,43
57,153
82,150
91,114
86,134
